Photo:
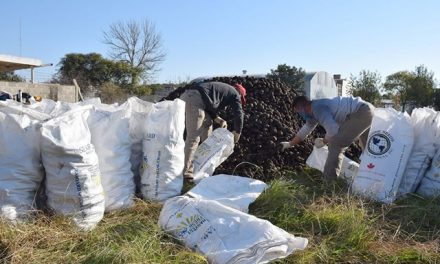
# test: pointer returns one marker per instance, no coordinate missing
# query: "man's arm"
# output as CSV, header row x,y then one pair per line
x,y
238,113
296,140
306,129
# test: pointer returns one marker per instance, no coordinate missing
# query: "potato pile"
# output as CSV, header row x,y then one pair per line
x,y
269,119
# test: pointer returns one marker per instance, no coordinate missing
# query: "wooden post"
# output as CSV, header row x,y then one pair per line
x,y
32,75
78,89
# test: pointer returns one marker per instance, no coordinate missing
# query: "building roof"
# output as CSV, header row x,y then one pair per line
x,y
309,75
11,63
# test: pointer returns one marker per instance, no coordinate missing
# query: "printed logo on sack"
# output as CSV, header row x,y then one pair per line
x,y
379,143
190,225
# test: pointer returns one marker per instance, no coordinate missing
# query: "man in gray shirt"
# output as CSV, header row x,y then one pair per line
x,y
344,119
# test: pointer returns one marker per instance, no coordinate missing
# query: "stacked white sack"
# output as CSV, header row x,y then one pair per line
x,y
73,183
225,235
60,107
212,152
422,152
45,106
111,139
21,171
138,111
430,184
384,160
163,151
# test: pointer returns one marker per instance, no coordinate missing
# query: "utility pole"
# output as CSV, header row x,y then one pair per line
x,y
20,35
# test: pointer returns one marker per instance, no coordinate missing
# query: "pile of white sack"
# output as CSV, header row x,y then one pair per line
x,y
88,156
402,156
212,219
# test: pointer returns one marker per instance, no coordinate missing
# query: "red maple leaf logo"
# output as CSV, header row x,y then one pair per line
x,y
370,166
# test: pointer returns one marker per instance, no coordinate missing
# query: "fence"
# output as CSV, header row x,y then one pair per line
x,y
56,92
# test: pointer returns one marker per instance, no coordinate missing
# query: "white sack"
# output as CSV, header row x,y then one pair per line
x,y
233,191
45,106
138,111
9,103
430,184
422,152
163,151
212,152
21,171
225,235
110,136
61,107
73,183
384,160
318,157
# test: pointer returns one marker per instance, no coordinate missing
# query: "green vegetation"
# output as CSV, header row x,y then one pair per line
x,y
367,85
341,228
416,87
130,236
10,77
92,70
292,76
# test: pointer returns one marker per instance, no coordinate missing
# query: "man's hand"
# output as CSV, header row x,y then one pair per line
x,y
284,145
236,136
221,122
319,142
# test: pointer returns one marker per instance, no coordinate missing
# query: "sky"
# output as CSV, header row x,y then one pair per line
x,y
225,37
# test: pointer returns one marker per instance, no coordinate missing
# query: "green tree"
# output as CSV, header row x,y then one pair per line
x,y
399,84
288,74
422,86
366,85
111,93
416,87
92,70
10,77
137,44
436,99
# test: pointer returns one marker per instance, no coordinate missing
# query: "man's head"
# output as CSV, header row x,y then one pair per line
x,y
242,91
302,106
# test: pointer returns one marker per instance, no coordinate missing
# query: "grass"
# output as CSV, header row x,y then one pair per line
x,y
341,228
130,236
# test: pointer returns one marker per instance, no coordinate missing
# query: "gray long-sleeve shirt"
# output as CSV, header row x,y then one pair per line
x,y
217,96
330,113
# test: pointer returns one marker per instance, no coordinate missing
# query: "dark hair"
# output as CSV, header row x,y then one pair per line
x,y
175,93
300,101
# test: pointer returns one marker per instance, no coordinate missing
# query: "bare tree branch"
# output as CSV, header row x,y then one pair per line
x,y
137,44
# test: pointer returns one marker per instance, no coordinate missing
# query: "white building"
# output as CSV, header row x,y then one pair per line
x,y
319,85
342,85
